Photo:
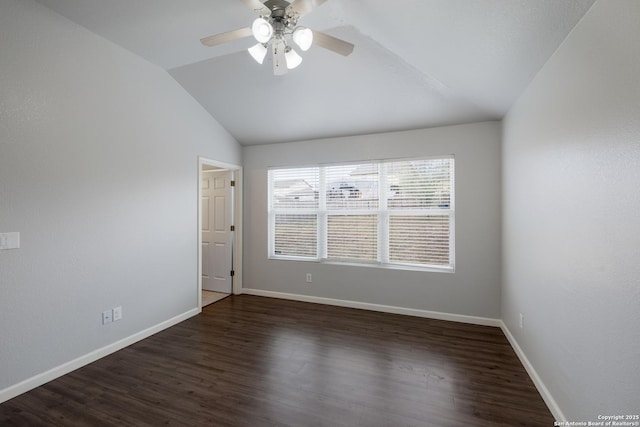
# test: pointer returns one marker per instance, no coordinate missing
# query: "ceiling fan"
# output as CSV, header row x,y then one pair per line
x,y
278,26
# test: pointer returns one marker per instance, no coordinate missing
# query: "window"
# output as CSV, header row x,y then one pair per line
x,y
388,213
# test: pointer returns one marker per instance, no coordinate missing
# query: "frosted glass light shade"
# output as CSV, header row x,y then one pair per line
x,y
258,52
303,37
262,30
292,58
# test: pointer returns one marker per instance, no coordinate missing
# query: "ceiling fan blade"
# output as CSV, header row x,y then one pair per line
x,y
302,7
257,6
226,37
333,44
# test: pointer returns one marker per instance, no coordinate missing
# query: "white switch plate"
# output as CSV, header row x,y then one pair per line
x,y
9,240
117,313
309,278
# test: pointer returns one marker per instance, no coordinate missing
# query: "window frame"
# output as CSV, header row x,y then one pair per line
x,y
382,212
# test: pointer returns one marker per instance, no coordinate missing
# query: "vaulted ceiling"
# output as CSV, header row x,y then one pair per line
x,y
416,63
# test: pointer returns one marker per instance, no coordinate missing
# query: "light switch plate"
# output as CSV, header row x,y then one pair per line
x,y
9,240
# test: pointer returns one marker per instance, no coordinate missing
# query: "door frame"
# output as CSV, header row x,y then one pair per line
x,y
237,222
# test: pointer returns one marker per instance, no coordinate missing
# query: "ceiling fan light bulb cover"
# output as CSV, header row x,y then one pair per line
x,y
303,37
258,52
292,58
262,30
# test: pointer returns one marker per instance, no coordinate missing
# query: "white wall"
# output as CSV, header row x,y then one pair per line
x,y
98,172
571,196
473,290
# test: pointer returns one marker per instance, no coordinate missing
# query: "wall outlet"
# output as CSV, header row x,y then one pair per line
x,y
521,320
117,313
107,316
309,278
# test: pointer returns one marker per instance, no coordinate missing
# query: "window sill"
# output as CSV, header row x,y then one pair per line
x,y
370,265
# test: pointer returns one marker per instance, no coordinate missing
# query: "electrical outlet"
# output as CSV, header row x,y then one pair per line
x,y
117,313
309,278
521,320
107,317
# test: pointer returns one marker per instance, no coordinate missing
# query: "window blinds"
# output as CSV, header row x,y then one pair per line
x,y
293,197
389,212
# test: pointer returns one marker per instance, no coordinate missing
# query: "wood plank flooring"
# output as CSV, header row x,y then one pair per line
x,y
254,361
209,297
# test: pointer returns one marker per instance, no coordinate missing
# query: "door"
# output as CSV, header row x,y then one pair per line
x,y
217,236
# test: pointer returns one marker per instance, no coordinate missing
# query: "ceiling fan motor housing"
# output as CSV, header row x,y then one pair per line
x,y
280,18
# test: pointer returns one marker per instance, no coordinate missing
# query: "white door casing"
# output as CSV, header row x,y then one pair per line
x,y
217,214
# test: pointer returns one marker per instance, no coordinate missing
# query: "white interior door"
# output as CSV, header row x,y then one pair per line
x,y
216,231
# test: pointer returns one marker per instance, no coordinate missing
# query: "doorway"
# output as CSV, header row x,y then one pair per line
x,y
219,243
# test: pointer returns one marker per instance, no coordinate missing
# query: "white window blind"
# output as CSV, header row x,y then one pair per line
x,y
351,212
396,213
420,212
293,219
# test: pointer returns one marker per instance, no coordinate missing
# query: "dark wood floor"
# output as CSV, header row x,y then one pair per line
x,y
253,361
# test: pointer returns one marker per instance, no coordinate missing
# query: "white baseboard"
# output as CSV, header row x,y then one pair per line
x,y
537,381
485,321
43,378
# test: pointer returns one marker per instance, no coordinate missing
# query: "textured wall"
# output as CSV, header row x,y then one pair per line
x,y
98,172
474,289
571,226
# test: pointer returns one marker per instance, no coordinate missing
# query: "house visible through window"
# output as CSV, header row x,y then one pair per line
x,y
388,213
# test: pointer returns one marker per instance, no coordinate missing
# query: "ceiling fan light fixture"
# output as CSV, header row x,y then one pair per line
x,y
277,29
262,30
258,52
303,37
292,58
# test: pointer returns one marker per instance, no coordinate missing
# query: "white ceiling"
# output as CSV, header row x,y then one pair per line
x,y
417,63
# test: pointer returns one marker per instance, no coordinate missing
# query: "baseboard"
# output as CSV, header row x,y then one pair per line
x,y
537,381
485,321
43,378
